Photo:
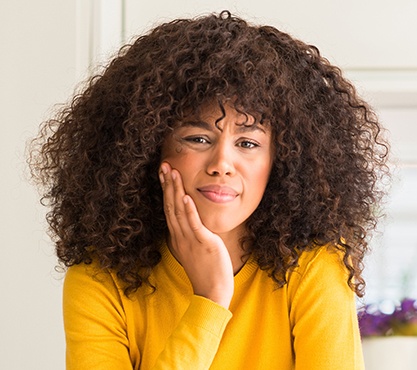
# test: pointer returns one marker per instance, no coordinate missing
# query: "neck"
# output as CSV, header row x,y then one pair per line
x,y
231,240
233,245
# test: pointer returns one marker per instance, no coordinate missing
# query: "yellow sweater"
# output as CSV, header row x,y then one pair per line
x,y
310,324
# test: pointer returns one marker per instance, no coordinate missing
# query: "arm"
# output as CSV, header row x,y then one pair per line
x,y
195,341
323,314
94,321
96,327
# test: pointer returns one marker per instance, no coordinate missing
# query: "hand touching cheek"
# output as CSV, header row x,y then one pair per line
x,y
202,253
214,174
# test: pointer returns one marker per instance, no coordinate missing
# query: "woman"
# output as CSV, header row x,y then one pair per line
x,y
212,192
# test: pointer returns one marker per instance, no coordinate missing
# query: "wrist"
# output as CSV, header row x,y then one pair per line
x,y
223,296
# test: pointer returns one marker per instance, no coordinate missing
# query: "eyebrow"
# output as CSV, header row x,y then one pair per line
x,y
250,128
207,126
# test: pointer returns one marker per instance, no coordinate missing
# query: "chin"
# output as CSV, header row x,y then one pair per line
x,y
220,227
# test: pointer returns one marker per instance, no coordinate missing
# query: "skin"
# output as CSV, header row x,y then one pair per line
x,y
213,179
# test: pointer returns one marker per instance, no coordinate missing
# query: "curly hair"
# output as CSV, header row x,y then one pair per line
x,y
98,158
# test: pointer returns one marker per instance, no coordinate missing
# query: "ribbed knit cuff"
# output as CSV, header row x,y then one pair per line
x,y
208,315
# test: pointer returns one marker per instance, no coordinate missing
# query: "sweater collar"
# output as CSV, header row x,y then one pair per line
x,y
176,271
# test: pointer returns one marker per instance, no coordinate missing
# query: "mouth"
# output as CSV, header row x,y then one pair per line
x,y
218,193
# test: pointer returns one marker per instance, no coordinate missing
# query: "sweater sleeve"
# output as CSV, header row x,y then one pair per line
x,y
94,321
195,341
323,314
96,329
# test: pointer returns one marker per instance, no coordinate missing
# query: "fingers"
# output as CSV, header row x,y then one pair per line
x,y
180,210
202,254
174,205
199,231
169,200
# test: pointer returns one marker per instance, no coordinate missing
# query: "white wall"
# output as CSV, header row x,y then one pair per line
x,y
37,69
46,46
356,34
392,268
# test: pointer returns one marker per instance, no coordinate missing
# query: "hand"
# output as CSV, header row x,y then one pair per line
x,y
202,254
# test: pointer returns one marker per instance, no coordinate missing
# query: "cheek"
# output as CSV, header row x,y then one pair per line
x,y
260,178
183,163
178,159
172,152
170,149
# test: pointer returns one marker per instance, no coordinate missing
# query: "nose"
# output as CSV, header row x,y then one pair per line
x,y
221,161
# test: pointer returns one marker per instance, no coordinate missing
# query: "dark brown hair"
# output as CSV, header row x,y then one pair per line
x,y
98,159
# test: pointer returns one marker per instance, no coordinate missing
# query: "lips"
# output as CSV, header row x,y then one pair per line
x,y
218,193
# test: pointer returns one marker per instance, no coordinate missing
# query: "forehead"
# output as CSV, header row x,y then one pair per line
x,y
218,115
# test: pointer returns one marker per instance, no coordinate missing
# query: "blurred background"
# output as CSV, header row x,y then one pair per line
x,y
48,47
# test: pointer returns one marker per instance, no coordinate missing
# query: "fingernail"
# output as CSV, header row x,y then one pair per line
x,y
164,169
173,175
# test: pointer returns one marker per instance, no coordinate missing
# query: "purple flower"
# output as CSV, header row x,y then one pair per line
x,y
402,321
373,323
409,305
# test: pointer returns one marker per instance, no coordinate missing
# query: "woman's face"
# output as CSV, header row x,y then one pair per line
x,y
226,170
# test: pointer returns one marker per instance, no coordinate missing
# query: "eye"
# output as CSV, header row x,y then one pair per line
x,y
196,140
248,144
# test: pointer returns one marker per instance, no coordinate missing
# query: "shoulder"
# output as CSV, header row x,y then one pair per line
x,y
321,270
326,257
91,293
88,271
87,280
